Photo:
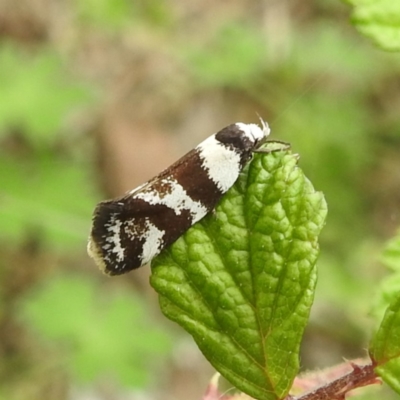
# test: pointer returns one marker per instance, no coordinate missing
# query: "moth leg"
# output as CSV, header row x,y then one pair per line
x,y
285,146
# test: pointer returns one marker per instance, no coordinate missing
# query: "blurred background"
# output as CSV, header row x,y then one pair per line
x,y
97,96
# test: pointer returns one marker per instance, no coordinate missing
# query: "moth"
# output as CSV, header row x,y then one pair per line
x,y
129,231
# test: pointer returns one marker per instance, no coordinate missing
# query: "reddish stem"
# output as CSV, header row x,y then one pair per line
x,y
361,375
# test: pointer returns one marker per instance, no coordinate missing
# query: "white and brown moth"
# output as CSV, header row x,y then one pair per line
x,y
130,231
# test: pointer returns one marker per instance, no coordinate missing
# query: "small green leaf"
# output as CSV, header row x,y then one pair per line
x,y
385,346
379,20
241,281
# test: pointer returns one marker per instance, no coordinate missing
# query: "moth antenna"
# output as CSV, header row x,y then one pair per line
x,y
265,126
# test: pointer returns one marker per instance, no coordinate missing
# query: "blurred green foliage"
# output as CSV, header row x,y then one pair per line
x,y
104,334
106,13
232,58
46,195
389,287
379,20
43,189
120,15
35,95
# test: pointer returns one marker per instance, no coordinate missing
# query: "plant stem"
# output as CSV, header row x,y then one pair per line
x,y
361,375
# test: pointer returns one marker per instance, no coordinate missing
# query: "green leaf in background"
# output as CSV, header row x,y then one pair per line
x,y
241,281
391,253
379,20
115,16
105,14
105,333
231,58
47,197
35,94
389,287
385,346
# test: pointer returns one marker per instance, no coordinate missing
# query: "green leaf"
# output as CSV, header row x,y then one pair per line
x,y
385,346
241,281
379,20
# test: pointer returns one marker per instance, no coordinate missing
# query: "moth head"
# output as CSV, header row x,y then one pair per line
x,y
254,133
244,137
